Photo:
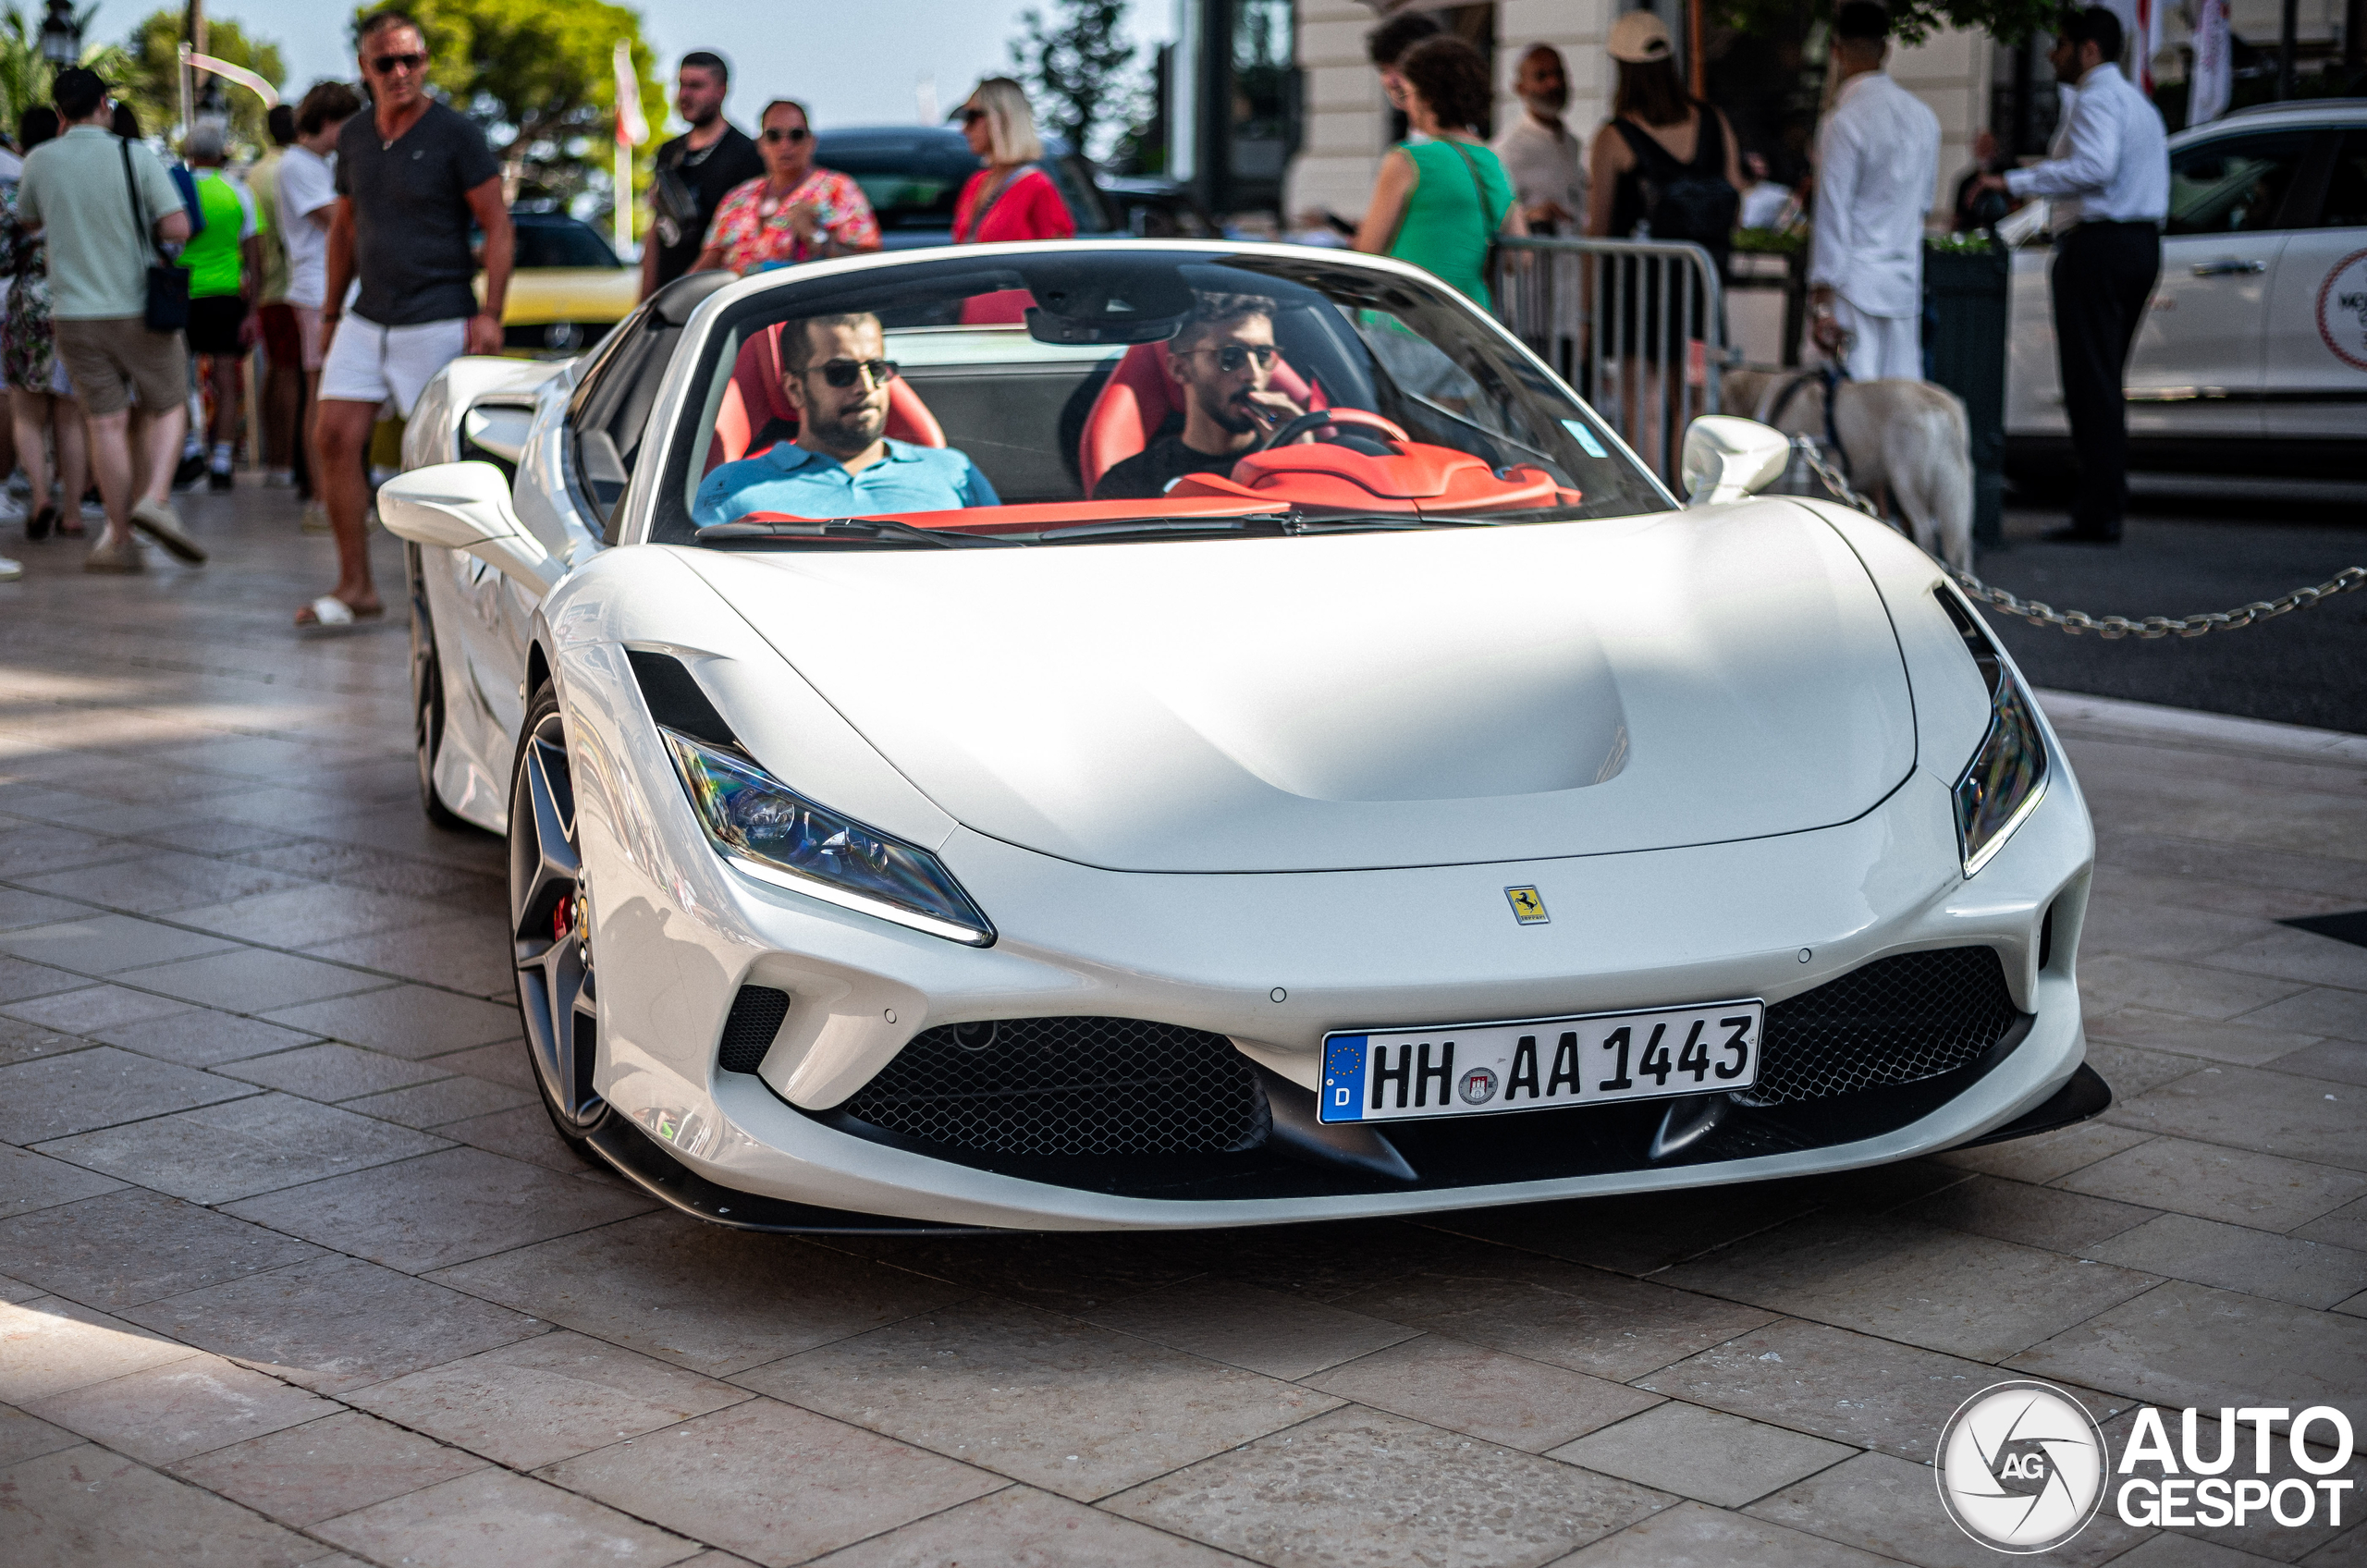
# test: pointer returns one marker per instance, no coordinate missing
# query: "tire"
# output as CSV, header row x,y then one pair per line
x,y
550,941
426,698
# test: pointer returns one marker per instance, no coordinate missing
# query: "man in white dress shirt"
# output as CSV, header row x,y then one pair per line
x,y
2110,187
1545,163
1878,165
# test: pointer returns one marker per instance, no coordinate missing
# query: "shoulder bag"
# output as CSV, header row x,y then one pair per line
x,y
167,308
1495,223
1686,200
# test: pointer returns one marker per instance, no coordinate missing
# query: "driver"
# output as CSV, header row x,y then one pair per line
x,y
834,373
1222,362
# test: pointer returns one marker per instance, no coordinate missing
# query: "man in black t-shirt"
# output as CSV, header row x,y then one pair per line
x,y
696,170
1223,364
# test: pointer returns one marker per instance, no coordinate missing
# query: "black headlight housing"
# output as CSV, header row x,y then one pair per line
x,y
2008,776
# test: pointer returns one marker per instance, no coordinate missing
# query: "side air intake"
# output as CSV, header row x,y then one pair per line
x,y
675,700
748,1033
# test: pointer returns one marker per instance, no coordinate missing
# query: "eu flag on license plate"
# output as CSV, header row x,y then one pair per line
x,y
1344,1079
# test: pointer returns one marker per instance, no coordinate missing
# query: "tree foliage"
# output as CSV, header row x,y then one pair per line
x,y
1912,21
1078,67
151,83
537,75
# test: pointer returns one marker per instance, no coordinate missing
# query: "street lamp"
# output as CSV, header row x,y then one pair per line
x,y
61,35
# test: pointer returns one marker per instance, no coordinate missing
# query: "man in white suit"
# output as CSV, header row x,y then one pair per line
x,y
1877,156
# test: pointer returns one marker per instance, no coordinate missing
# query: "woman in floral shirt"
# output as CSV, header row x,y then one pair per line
x,y
796,212
39,396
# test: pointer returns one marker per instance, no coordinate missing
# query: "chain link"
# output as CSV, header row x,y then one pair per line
x,y
2108,627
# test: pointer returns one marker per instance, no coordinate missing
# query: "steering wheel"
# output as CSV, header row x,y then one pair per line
x,y
1317,419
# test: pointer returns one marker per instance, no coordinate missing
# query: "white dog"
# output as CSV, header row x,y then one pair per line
x,y
1908,439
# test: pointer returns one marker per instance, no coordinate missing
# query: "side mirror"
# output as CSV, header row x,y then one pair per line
x,y
466,507
1727,459
499,429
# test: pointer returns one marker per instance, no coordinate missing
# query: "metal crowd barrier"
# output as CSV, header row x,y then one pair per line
x,y
1638,327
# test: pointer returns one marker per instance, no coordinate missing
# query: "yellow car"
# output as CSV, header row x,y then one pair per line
x,y
567,289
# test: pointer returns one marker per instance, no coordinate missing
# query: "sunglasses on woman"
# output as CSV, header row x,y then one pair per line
x,y
841,373
1233,356
971,117
789,133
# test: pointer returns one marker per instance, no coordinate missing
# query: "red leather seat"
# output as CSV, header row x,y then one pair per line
x,y
755,400
1137,398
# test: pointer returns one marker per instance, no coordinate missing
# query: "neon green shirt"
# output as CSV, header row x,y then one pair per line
x,y
213,257
1448,225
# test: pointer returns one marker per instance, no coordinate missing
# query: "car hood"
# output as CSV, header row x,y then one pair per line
x,y
1362,701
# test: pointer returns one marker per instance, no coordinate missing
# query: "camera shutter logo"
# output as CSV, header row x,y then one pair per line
x,y
2342,311
2021,1467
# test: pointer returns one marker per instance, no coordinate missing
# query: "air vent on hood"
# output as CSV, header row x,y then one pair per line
x,y
675,700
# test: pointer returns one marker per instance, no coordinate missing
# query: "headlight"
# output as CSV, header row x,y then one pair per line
x,y
2006,777
771,832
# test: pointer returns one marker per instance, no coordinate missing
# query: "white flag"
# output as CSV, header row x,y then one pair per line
x,y
631,130
2212,79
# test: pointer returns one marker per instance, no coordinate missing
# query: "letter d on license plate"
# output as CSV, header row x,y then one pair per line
x,y
1487,1069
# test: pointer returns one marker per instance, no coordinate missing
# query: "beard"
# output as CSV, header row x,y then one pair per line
x,y
1551,103
849,431
1231,413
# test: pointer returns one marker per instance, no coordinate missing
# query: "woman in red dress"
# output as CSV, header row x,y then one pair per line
x,y
1011,198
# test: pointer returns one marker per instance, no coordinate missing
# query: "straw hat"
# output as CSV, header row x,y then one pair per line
x,y
1640,36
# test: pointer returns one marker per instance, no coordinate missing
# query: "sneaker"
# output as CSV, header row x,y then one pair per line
x,y
125,556
11,509
317,518
10,571
163,525
191,469
219,479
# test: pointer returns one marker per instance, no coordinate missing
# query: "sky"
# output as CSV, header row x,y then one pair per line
x,y
856,62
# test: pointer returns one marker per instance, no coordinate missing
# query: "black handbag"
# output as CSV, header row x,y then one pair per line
x,y
167,307
1687,200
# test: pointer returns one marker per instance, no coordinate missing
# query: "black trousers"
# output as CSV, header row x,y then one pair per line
x,y
2103,275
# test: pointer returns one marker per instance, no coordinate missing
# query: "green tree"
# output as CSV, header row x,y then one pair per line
x,y
25,76
538,76
1077,68
152,83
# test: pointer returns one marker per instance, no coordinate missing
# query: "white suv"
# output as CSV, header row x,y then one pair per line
x,y
2253,351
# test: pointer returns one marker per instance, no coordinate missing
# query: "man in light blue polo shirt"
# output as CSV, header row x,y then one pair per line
x,y
835,375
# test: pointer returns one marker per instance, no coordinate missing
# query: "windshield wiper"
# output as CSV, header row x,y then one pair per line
x,y
736,535
1141,527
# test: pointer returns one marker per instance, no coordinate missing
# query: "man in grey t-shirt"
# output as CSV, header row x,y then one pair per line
x,y
411,175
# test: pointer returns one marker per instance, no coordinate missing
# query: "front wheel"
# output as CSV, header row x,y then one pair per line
x,y
550,926
426,695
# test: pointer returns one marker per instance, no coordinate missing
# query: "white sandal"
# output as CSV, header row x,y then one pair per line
x,y
330,610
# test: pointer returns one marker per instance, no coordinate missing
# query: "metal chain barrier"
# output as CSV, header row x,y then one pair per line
x,y
2108,627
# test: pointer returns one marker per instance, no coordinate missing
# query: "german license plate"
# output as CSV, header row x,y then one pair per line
x,y
1487,1069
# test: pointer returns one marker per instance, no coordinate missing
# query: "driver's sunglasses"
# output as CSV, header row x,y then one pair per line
x,y
1232,357
786,133
841,373
387,64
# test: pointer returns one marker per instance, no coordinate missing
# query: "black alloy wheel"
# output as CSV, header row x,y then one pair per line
x,y
426,695
550,927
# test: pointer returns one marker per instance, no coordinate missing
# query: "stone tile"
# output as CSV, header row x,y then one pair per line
x,y
200,1037
1065,1271
252,980
2321,1010
1263,1331
19,909
1641,1232
2112,980
1968,1296
308,916
1321,1262
29,1181
406,1021
358,866
2345,1226
157,882
2171,1549
1547,1310
493,1519
2047,1156
1357,1488
29,851
521,1132
338,1464
336,1323
102,944
1484,1393
21,981
2218,1039
1026,1392
459,955
215,836
131,1246
716,1477
183,1407
2038,1217
20,1041
1889,1505
329,1072
429,1105
84,1505
25,1437
48,1345
2130,1070
1704,1454
2182,1343
2334,1062
1851,1387
545,1399
2286,1269
505,1062
2165,931
2216,1183
1691,1535
2305,956
712,1299
2245,1107
221,1153
94,1008
1023,1528
58,1096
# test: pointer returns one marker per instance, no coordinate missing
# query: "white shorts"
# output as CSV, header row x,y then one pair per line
x,y
369,363
1880,346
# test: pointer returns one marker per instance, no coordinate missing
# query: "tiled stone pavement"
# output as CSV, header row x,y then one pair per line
x,y
291,1270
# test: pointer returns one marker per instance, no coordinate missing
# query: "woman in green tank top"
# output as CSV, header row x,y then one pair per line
x,y
1441,201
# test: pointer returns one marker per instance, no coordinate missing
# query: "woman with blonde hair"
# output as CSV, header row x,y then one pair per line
x,y
1011,198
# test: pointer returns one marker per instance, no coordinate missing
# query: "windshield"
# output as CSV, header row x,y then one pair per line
x,y
1118,391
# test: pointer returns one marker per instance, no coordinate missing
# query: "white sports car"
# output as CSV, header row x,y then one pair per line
x,y
1417,809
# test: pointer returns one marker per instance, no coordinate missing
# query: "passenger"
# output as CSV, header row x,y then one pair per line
x,y
835,375
1224,362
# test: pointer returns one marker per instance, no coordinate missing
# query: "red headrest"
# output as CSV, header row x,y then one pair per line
x,y
755,400
1136,400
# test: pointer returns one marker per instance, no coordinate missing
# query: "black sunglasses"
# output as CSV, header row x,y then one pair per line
x,y
387,64
789,133
1233,356
972,117
841,373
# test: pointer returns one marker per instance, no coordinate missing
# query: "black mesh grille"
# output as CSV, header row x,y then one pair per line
x,y
1895,1020
1067,1086
748,1033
